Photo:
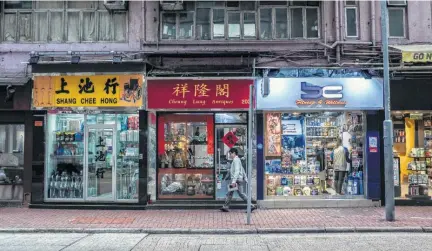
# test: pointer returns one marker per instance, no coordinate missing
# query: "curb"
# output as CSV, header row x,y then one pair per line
x,y
223,231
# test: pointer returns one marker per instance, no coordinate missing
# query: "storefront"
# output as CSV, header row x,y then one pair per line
x,y
197,121
93,135
15,130
303,121
412,141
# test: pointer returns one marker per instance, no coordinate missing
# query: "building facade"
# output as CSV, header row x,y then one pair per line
x,y
211,40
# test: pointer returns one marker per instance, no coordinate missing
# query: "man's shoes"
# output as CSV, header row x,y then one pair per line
x,y
224,209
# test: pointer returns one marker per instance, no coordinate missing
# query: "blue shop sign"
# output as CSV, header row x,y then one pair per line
x,y
321,93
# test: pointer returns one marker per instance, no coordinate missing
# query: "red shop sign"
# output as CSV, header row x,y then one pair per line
x,y
198,94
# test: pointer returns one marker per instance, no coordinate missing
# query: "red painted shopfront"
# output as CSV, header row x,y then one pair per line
x,y
193,118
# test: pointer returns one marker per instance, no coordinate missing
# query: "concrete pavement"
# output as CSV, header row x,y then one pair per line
x,y
276,242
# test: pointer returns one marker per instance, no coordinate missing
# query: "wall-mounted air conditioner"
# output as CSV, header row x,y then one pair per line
x,y
171,5
116,5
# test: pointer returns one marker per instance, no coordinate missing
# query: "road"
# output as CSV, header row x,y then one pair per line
x,y
301,242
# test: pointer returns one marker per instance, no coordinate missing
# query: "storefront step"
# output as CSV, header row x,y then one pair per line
x,y
89,206
325,203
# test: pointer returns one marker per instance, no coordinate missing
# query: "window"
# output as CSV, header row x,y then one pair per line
x,y
265,23
351,19
62,21
304,22
396,19
236,20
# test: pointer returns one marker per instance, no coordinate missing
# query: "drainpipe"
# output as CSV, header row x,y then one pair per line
x,y
337,30
144,16
373,38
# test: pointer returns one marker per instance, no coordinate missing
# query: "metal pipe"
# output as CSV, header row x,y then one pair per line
x,y
144,23
344,42
373,21
388,124
249,153
325,27
337,31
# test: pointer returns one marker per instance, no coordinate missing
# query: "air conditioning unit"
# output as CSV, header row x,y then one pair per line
x,y
171,5
116,5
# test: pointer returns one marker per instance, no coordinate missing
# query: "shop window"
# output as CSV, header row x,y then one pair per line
x,y
412,161
186,156
62,21
92,157
11,162
314,154
240,19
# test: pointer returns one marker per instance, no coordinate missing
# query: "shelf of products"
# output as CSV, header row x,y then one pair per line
x,y
186,165
304,165
67,157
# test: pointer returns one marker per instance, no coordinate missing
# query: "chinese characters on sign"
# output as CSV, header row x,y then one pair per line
x,y
84,91
198,94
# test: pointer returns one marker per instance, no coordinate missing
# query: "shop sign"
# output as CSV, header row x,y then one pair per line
x,y
322,93
87,91
198,94
416,57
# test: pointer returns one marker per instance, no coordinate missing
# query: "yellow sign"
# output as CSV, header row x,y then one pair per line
x,y
87,91
416,57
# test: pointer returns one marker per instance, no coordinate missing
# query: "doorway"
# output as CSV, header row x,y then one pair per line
x,y
100,165
227,137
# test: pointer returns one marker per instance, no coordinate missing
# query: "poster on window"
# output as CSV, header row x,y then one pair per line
x,y
291,127
293,140
273,134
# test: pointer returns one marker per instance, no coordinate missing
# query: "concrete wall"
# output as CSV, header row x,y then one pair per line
x,y
13,54
143,35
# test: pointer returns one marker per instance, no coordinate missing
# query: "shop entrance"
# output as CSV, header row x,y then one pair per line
x,y
100,167
227,137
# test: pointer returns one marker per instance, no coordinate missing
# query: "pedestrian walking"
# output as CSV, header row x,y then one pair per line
x,y
238,180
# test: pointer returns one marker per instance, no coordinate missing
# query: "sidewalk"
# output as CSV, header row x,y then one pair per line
x,y
410,219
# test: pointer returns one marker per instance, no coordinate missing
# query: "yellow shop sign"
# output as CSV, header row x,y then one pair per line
x,y
87,91
416,57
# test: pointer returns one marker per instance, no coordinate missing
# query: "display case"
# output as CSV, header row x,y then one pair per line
x,y
186,156
92,157
11,162
303,165
127,156
65,156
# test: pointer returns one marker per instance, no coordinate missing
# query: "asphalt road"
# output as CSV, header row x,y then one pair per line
x,y
127,241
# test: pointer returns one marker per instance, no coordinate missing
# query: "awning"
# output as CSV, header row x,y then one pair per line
x,y
14,81
415,53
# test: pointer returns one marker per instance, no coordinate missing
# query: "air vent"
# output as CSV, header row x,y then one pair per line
x,y
116,5
171,5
